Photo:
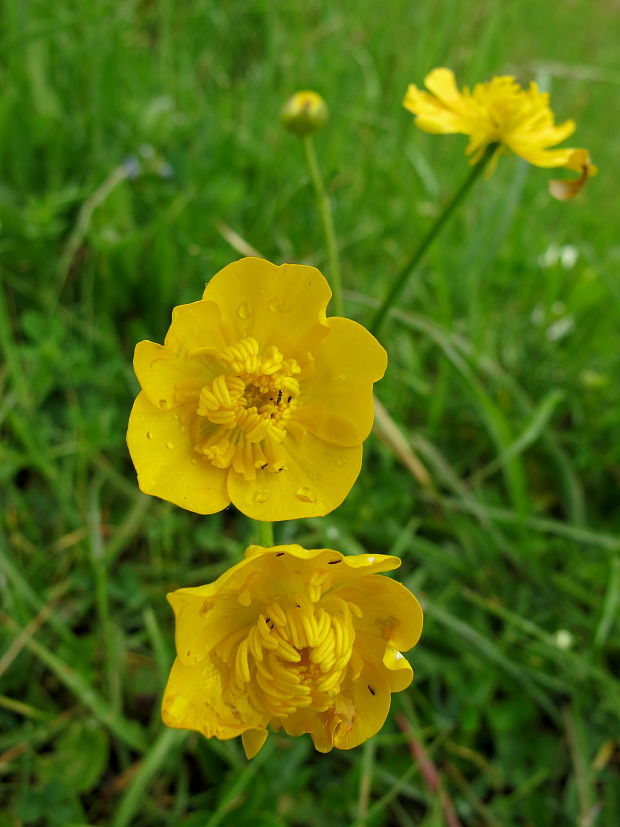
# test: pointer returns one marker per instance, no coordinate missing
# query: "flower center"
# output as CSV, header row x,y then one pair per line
x,y
296,655
251,404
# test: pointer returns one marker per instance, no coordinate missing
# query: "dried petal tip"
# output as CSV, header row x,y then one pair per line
x,y
567,188
304,113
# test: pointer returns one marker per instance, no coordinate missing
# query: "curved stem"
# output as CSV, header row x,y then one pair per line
x,y
265,533
401,279
327,221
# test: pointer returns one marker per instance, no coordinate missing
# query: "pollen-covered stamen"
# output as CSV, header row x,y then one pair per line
x,y
252,404
297,653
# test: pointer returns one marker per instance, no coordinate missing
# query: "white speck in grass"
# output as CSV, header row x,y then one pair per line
x,y
563,639
568,256
558,330
332,532
537,316
550,256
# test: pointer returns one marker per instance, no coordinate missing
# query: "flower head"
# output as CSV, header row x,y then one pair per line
x,y
303,640
500,112
255,397
304,113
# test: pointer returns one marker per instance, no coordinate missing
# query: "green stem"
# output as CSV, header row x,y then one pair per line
x,y
327,221
265,533
401,279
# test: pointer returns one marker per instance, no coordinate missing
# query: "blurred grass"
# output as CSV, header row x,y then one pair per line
x,y
129,133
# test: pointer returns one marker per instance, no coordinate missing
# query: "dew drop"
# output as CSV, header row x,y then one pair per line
x,y
163,404
194,460
305,495
340,462
183,429
260,496
244,311
275,305
176,416
149,435
170,445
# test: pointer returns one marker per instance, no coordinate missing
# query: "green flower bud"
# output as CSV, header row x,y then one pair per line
x,y
304,113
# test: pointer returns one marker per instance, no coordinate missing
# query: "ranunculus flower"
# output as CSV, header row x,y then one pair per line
x,y
255,397
500,112
303,640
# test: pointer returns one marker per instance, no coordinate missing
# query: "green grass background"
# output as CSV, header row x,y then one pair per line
x,y
503,378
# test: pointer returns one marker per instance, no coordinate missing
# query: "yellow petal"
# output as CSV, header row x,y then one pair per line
x,y
442,83
371,704
356,565
197,325
399,672
445,110
253,741
193,699
202,622
282,306
167,465
169,380
317,478
336,396
390,611
394,665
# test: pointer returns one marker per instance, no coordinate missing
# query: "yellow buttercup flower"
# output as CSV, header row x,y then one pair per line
x,y
500,112
309,641
255,397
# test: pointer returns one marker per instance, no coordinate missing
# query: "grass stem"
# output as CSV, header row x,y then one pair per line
x,y
410,266
333,261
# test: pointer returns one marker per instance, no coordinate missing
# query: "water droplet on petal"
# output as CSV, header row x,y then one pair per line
x,y
176,416
163,404
340,462
170,445
275,305
305,495
260,496
194,460
244,311
149,435
183,429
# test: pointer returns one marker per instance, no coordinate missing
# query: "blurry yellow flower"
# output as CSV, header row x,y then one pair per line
x,y
304,113
500,112
255,397
304,640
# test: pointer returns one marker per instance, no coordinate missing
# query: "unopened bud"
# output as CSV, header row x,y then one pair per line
x,y
304,113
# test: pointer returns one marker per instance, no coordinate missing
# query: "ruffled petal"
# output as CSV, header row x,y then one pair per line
x,y
167,465
282,306
444,110
194,699
391,613
336,393
317,478
394,665
370,705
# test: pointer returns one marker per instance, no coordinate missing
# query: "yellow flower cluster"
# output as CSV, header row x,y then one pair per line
x,y
309,641
500,112
258,398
